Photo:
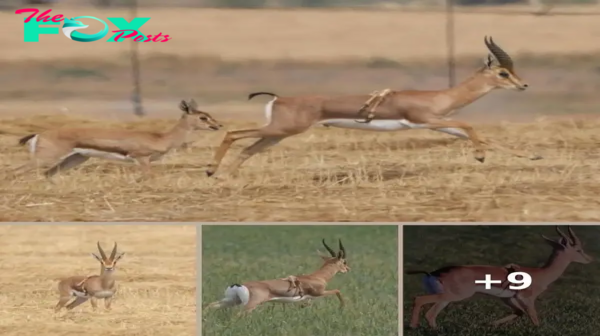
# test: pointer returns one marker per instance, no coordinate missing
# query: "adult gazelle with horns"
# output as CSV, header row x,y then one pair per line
x,y
295,288
388,110
457,283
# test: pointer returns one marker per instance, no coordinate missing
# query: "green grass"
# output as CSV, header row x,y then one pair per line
x,y
237,254
570,306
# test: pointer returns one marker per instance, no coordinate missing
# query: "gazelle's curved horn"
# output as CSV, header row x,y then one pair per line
x,y
574,237
329,249
342,249
563,235
502,56
102,254
113,254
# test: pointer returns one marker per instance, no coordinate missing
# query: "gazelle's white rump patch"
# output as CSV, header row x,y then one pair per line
x,y
269,110
237,294
33,144
102,154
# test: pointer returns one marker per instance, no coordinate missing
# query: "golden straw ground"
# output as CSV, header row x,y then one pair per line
x,y
156,279
328,175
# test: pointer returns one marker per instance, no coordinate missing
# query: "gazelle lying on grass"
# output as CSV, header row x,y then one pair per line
x,y
92,287
457,283
396,110
253,293
66,148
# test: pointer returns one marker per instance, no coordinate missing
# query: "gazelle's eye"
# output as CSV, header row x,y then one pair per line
x,y
204,118
503,74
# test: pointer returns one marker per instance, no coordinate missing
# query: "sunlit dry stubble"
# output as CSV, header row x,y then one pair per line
x,y
326,175
156,279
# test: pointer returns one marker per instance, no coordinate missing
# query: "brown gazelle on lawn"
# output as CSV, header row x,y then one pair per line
x,y
457,283
288,290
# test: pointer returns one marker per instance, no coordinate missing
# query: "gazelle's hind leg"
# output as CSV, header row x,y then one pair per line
x,y
221,304
228,140
62,302
260,145
43,154
78,301
440,302
67,163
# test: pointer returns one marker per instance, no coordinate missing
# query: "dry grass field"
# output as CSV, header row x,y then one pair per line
x,y
156,279
330,175
325,174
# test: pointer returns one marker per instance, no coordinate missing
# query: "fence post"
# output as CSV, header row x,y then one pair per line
x,y
135,70
450,42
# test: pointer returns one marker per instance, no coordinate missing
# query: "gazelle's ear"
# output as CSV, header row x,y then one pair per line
x,y
95,256
184,106
556,244
488,61
119,256
192,105
322,255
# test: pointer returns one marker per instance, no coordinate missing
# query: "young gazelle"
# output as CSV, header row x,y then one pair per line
x,y
396,111
66,148
92,287
457,283
253,293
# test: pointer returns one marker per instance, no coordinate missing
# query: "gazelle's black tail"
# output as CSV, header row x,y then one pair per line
x,y
26,138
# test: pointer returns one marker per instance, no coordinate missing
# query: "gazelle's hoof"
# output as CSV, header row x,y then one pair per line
x,y
479,155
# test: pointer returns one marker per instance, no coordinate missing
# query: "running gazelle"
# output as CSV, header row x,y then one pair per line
x,y
457,283
390,111
66,148
91,287
291,289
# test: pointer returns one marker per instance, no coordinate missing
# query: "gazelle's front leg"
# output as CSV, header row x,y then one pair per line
x,y
94,303
376,97
337,293
107,303
145,166
435,124
517,311
529,304
461,134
